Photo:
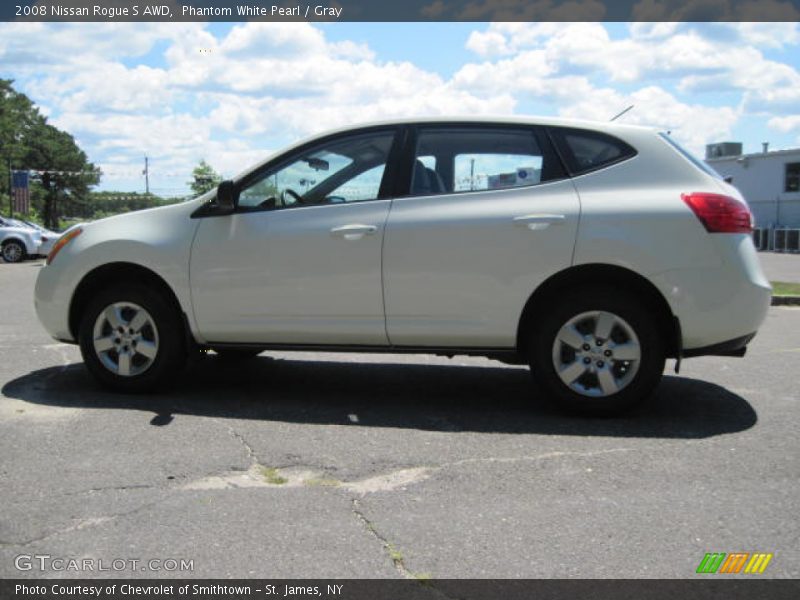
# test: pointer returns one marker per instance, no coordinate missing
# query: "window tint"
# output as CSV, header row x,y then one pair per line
x,y
344,170
792,177
457,159
589,150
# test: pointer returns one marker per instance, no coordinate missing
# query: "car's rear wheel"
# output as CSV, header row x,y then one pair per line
x,y
598,351
13,251
132,338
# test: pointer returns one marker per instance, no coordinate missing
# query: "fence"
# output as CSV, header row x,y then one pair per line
x,y
777,240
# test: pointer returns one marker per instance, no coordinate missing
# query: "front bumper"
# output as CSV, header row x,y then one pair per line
x,y
51,300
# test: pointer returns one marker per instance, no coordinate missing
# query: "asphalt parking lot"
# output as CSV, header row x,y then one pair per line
x,y
332,465
781,266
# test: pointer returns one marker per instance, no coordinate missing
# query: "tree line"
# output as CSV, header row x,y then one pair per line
x,y
62,188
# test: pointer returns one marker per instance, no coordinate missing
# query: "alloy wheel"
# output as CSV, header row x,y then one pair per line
x,y
125,339
12,252
596,353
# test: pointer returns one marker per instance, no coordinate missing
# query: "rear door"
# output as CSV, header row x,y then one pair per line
x,y
489,214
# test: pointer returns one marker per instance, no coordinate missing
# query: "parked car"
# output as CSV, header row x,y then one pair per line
x,y
18,241
590,251
47,237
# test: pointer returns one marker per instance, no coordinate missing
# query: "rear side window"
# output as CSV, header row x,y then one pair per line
x,y
465,159
585,151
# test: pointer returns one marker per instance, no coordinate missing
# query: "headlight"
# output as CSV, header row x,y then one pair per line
x,y
63,241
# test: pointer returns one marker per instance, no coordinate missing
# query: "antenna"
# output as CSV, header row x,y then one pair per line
x,y
618,115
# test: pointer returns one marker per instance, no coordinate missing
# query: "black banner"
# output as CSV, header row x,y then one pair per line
x,y
401,10
707,588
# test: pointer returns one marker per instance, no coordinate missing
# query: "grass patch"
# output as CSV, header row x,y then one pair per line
x,y
394,554
270,475
323,482
783,288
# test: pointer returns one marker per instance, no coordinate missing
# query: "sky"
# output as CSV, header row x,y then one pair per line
x,y
233,93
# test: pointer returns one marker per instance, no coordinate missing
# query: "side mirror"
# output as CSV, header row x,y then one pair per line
x,y
226,195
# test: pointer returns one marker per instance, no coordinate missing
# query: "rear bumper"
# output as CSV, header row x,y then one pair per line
x,y
720,306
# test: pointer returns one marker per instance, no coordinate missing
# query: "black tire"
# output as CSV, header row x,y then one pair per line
x,y
237,354
170,356
14,251
635,317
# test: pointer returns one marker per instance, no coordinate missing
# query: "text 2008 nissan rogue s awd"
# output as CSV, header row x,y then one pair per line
x,y
591,251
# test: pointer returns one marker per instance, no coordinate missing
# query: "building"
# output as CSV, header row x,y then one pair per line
x,y
770,181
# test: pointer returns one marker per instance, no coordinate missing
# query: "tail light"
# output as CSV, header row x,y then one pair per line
x,y
720,214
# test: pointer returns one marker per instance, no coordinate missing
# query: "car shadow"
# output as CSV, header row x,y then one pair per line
x,y
436,397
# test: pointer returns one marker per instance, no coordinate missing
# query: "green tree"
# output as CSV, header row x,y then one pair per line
x,y
28,141
67,173
205,178
103,204
18,120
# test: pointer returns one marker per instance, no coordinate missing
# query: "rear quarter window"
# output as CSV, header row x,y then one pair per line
x,y
584,151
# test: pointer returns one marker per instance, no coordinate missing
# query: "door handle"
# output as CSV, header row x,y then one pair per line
x,y
538,222
354,231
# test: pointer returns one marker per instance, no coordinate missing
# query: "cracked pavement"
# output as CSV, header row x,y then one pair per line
x,y
351,466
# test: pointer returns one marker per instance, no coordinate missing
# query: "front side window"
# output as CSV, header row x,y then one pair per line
x,y
455,159
792,177
341,171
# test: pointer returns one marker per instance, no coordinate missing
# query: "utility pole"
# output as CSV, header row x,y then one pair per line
x,y
472,174
146,176
10,190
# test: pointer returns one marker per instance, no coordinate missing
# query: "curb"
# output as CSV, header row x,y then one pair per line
x,y
786,301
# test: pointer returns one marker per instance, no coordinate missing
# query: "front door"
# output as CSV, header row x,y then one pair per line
x,y
299,262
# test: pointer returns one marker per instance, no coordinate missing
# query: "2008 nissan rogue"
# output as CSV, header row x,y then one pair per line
x,y
590,251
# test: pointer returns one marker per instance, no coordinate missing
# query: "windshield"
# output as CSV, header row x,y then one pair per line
x,y
689,156
33,225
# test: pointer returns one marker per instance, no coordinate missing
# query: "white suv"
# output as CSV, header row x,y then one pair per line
x,y
591,251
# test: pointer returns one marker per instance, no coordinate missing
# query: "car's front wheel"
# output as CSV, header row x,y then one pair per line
x,y
131,338
13,251
597,351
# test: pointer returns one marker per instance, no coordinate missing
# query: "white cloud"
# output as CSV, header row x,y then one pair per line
x,y
233,98
37,46
700,58
785,124
226,98
571,66
769,35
